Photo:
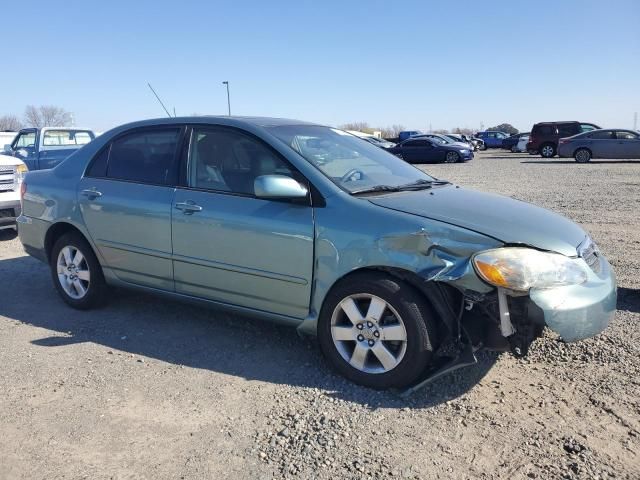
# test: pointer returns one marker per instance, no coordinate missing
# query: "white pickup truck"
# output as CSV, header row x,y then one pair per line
x,y
12,173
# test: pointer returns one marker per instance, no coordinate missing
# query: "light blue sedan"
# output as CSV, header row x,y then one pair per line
x,y
309,226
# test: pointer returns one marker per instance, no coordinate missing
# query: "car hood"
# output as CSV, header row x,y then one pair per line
x,y
503,218
6,160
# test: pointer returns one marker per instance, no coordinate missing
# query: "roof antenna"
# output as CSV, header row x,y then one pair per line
x,y
154,92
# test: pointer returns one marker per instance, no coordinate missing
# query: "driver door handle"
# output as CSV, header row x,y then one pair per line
x,y
189,207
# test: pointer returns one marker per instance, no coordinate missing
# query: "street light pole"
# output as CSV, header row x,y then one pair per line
x,y
226,82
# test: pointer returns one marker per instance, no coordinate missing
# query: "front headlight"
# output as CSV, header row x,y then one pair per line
x,y
464,150
21,172
520,268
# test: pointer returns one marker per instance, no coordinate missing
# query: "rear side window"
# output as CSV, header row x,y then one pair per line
x,y
602,135
145,157
544,130
568,129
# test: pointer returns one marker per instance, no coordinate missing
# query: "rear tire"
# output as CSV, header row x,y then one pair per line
x,y
76,272
482,147
582,155
377,331
548,150
514,149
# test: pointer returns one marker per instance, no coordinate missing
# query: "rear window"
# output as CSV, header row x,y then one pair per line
x,y
544,130
56,138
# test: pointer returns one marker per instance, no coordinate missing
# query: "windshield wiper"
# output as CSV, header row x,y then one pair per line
x,y
418,185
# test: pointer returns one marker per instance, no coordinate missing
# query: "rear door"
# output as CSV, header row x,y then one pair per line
x,y
230,246
628,144
126,200
603,144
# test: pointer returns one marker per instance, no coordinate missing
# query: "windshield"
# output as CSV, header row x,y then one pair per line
x,y
352,164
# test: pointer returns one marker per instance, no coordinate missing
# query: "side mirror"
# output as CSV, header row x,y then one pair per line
x,y
278,186
7,149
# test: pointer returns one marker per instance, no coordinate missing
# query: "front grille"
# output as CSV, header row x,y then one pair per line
x,y
8,179
7,213
589,251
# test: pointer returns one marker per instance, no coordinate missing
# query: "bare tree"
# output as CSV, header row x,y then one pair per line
x,y
357,126
442,130
391,132
46,116
10,123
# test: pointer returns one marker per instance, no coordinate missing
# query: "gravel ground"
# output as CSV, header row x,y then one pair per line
x,y
148,388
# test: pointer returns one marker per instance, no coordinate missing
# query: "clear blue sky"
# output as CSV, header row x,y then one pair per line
x,y
412,63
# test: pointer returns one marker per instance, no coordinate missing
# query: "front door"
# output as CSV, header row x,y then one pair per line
x,y
126,201
24,147
628,144
228,245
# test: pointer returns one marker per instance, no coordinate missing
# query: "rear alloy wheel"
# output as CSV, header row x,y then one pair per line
x,y
547,150
582,155
76,273
377,331
483,146
452,157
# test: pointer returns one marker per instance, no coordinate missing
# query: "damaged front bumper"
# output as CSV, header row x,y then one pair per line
x,y
577,312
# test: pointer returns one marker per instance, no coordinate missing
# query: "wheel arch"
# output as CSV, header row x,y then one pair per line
x,y
55,231
444,299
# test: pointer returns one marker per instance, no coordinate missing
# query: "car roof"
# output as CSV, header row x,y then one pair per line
x,y
220,119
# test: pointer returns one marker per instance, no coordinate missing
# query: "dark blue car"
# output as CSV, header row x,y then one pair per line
x,y
423,150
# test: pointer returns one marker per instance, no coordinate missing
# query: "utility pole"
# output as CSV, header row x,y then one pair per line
x,y
226,82
635,121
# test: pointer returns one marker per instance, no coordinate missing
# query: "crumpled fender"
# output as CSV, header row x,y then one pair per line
x,y
434,250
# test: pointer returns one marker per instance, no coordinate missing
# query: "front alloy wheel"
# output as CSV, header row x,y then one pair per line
x,y
582,155
372,343
376,330
452,157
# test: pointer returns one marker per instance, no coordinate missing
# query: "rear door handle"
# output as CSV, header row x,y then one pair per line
x,y
91,193
189,207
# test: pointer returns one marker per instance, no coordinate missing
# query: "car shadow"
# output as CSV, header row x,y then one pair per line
x,y
185,334
628,299
8,234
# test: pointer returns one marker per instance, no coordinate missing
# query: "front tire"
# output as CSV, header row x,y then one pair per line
x,y
76,272
377,331
548,150
582,155
451,157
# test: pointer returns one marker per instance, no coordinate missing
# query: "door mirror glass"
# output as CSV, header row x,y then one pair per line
x,y
7,148
278,186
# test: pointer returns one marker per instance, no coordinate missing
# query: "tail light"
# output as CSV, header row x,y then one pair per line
x,y
562,141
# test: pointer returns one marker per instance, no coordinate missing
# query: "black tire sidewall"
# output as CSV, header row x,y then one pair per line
x,y
575,155
97,286
416,316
